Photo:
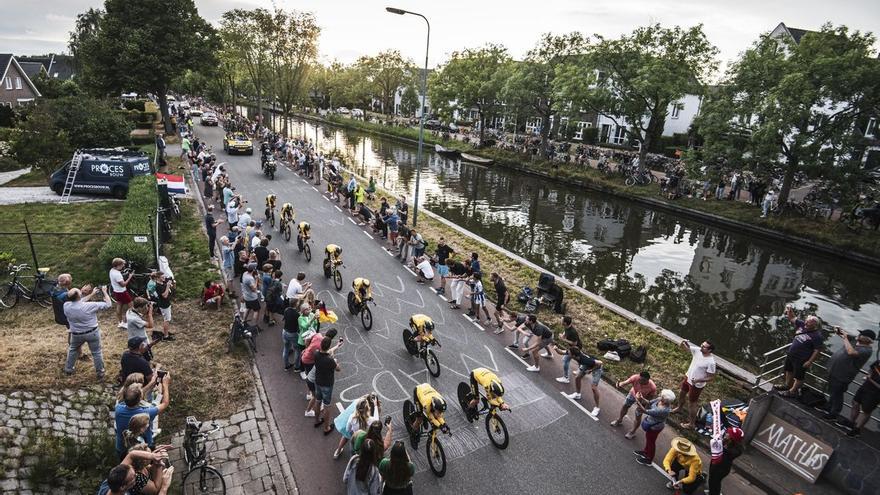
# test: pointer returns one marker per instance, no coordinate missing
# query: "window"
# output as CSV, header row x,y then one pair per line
x,y
619,135
8,83
601,76
872,127
676,108
17,83
579,135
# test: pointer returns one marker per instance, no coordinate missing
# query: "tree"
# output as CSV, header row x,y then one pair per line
x,y
143,46
42,144
471,79
90,123
85,29
795,105
386,72
51,88
409,101
632,80
532,82
247,35
294,48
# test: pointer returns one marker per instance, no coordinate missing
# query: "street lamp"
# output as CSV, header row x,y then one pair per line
x,y
397,11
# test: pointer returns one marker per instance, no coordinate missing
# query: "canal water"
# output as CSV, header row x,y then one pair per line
x,y
697,280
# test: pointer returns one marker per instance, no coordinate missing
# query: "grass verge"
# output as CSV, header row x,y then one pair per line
x,y
33,178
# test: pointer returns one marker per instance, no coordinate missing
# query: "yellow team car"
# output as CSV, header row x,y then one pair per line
x,y
238,143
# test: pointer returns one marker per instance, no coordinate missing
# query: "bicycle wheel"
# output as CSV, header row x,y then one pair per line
x,y
630,181
42,294
307,251
436,457
204,480
497,431
352,307
408,410
286,232
230,340
337,279
432,363
366,317
8,295
464,398
272,219
409,343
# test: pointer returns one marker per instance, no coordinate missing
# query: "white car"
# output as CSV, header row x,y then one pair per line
x,y
195,112
342,110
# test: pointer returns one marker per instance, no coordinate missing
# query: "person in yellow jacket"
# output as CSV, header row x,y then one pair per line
x,y
422,327
362,290
430,405
484,377
683,456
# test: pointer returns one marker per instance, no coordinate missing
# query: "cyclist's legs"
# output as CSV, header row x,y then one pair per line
x,y
475,389
419,412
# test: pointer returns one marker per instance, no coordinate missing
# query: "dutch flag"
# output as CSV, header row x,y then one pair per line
x,y
176,184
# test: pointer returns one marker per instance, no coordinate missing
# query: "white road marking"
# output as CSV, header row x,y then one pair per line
x,y
367,234
442,297
389,253
337,207
478,325
315,188
326,198
305,181
339,406
407,269
352,221
579,406
514,354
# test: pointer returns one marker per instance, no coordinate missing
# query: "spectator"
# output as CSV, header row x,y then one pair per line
x,y
424,270
83,329
458,274
148,474
354,418
213,294
163,301
274,255
308,336
805,348
232,211
443,253
364,213
545,338
402,209
59,296
136,360
518,320
502,299
655,413
245,218
228,255
683,456
586,364
570,338
274,292
211,227
403,245
865,401
392,222
250,292
767,203
160,149
417,243
262,252
132,406
478,298
474,266
134,434
289,334
725,445
373,432
700,372
643,386
123,478
140,318
361,475
397,471
301,291
119,284
325,371
844,366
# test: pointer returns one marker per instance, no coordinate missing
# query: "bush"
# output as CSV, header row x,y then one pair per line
x,y
41,143
64,458
8,164
7,116
134,105
90,123
135,218
590,135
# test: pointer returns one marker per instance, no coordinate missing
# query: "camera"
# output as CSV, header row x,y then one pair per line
x,y
387,420
160,375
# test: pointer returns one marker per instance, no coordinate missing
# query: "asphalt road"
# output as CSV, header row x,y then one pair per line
x,y
555,446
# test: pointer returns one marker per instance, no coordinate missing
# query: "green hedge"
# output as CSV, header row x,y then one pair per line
x,y
134,105
139,209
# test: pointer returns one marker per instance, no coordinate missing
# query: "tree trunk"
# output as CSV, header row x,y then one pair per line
x,y
788,179
545,132
163,109
285,115
260,103
482,127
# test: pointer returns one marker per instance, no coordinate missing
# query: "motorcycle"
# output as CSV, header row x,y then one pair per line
x,y
269,168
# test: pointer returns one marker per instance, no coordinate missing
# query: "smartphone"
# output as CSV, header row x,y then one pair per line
x,y
341,340
387,420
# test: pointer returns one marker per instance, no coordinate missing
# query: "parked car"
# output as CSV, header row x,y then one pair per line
x,y
103,171
238,143
210,119
343,110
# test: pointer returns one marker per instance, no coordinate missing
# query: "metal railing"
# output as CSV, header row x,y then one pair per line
x,y
773,368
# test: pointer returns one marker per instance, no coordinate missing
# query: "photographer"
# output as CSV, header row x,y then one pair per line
x,y
844,366
164,286
139,318
124,477
83,328
132,406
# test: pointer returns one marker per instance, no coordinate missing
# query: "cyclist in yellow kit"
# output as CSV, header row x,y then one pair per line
x,y
287,213
362,290
422,327
270,205
484,377
430,405
303,234
334,254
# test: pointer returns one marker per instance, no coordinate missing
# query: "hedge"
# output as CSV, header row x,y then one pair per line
x,y
134,105
135,218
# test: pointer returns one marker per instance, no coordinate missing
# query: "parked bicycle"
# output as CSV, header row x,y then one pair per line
x,y
38,288
238,332
201,477
640,178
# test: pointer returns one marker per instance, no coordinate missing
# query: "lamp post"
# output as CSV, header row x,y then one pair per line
x,y
421,110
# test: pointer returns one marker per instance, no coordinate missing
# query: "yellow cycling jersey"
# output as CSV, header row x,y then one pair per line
x,y
331,249
270,201
484,377
419,321
362,284
425,393
304,227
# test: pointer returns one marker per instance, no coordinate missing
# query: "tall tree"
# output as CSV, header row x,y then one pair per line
x,y
471,79
294,48
794,104
144,45
86,27
632,80
532,81
248,36
386,72
409,101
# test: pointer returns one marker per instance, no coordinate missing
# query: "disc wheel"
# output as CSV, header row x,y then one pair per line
x,y
436,457
408,410
352,307
307,251
366,317
337,279
286,232
464,398
432,363
409,343
497,431
204,480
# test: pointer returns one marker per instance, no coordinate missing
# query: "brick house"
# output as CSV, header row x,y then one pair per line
x,y
16,87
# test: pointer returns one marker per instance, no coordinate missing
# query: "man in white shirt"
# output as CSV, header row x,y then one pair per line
x,y
119,285
424,270
700,372
232,213
83,327
300,290
245,218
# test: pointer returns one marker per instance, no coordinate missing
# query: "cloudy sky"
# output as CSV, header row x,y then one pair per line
x,y
351,28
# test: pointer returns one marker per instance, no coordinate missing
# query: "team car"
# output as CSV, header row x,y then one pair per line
x,y
209,118
238,143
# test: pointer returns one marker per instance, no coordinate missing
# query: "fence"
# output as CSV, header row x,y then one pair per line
x,y
76,253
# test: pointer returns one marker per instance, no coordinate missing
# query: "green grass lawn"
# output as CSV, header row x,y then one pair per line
x,y
32,178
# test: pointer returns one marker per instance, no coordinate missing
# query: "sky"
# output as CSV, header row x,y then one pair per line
x,y
351,28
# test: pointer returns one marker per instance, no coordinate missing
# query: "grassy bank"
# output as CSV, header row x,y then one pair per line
x,y
830,233
33,178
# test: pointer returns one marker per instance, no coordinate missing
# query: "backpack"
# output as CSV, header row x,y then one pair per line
x,y
639,354
623,348
58,308
524,295
605,345
532,305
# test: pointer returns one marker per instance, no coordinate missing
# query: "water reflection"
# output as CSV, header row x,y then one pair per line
x,y
696,280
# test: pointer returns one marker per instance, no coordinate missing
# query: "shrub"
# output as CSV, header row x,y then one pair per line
x,y
63,458
7,116
136,217
41,143
90,123
134,105
7,163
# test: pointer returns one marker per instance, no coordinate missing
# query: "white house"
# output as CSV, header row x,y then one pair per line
x,y
679,117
